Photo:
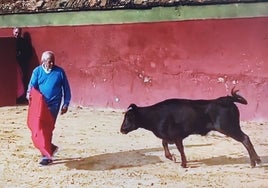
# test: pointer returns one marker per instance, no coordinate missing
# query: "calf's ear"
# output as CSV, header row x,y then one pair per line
x,y
132,106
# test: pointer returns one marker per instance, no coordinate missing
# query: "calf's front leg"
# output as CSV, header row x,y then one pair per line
x,y
181,150
167,152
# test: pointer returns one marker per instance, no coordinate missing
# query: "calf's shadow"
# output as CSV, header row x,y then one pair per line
x,y
137,158
111,161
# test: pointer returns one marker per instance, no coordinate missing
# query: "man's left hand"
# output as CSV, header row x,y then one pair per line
x,y
64,109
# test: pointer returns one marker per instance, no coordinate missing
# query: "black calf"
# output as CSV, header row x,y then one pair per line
x,y
173,120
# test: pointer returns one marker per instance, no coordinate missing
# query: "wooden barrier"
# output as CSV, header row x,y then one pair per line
x,y
8,76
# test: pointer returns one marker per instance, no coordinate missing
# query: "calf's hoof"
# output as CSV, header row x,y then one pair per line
x,y
254,162
183,165
171,157
258,161
174,158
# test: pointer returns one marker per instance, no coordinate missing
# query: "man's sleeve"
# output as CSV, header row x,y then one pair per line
x,y
66,90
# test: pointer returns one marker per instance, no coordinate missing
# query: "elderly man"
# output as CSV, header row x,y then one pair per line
x,y
51,81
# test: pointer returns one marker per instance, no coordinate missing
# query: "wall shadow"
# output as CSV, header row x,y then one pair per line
x,y
33,58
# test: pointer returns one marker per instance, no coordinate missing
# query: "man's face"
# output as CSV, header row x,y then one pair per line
x,y
16,32
49,63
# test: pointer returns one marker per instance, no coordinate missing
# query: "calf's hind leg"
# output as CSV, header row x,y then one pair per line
x,y
244,139
254,158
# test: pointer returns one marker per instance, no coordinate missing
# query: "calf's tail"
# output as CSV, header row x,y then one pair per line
x,y
238,98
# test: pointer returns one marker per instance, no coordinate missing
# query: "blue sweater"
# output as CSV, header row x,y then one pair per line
x,y
53,85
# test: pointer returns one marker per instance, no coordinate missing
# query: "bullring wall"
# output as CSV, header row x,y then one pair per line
x,y
114,64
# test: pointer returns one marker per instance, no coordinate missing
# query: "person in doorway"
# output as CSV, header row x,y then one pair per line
x,y
23,56
51,81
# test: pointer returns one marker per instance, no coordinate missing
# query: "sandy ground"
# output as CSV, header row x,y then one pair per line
x,y
93,153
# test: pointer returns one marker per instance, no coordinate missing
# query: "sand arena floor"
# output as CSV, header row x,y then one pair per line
x,y
93,153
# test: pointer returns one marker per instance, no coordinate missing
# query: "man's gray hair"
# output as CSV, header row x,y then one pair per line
x,y
46,55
